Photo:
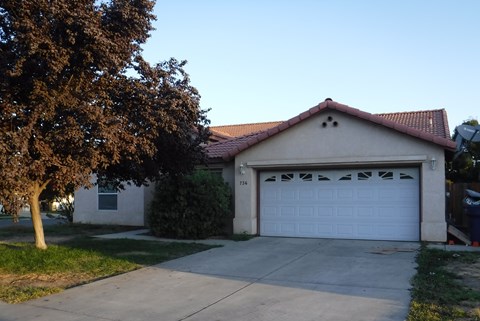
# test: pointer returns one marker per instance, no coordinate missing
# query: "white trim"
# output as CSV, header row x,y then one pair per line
x,y
387,160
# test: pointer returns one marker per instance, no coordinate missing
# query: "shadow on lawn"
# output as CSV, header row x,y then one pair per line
x,y
136,251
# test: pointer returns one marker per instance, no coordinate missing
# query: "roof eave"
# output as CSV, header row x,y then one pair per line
x,y
416,133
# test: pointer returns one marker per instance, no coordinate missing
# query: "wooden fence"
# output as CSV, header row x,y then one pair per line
x,y
455,195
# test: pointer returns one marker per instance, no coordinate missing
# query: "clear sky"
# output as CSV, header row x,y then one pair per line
x,y
269,60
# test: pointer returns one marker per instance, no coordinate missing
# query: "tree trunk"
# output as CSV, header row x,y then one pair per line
x,y
36,217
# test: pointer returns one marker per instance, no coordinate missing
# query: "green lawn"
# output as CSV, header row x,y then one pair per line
x,y
27,273
438,294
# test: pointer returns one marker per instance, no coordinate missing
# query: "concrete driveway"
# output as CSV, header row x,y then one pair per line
x,y
261,279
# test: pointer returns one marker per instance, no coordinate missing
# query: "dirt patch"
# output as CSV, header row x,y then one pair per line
x,y
469,276
60,280
468,273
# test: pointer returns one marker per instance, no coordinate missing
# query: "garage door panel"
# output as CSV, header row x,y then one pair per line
x,y
287,195
288,211
345,194
367,194
397,231
306,211
306,194
269,228
325,229
345,230
352,204
366,212
365,230
269,211
325,194
307,229
287,228
325,211
388,194
269,194
345,211
399,213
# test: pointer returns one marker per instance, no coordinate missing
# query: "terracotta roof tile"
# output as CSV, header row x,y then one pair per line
x,y
218,150
430,121
429,125
243,129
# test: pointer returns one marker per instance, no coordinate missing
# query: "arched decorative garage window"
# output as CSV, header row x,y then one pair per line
x,y
288,177
405,176
271,179
385,175
347,177
306,177
364,176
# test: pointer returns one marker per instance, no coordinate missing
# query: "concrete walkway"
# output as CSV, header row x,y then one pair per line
x,y
143,234
261,279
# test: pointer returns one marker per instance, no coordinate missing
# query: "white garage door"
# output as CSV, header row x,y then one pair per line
x,y
373,204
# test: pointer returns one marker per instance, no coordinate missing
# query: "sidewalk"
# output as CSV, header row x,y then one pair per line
x,y
143,235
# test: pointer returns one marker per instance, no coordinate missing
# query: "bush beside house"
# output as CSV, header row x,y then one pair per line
x,y
191,206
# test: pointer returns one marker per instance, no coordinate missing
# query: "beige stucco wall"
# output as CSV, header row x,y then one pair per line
x,y
130,207
352,143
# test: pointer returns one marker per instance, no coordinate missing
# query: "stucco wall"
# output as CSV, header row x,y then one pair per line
x,y
352,143
130,204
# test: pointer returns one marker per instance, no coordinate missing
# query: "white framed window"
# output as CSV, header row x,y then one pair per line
x,y
107,196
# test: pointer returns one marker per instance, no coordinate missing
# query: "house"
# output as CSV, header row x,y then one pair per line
x,y
331,172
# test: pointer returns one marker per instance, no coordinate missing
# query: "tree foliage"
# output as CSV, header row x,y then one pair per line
x,y
70,107
466,167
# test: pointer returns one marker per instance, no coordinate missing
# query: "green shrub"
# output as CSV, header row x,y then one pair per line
x,y
192,206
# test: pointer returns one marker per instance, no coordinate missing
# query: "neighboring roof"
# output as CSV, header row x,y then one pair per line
x,y
431,126
242,129
218,137
431,121
220,149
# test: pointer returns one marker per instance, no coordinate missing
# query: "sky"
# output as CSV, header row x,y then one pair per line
x,y
265,60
